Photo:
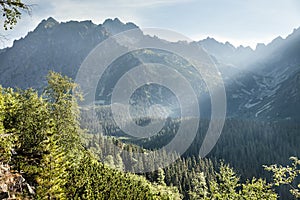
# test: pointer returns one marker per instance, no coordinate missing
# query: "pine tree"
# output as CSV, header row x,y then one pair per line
x,y
61,97
5,139
119,163
161,176
52,172
199,187
226,185
109,161
258,189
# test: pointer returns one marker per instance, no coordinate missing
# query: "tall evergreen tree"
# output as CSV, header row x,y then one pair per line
x,y
5,139
257,189
161,176
64,112
199,187
52,173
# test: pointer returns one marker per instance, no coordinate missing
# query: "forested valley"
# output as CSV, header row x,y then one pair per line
x,y
54,146
45,154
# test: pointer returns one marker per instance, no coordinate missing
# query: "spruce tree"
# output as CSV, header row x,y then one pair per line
x,y
5,139
226,184
161,176
199,187
52,173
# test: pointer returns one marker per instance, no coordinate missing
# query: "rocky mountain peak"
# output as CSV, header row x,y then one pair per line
x,y
115,26
48,23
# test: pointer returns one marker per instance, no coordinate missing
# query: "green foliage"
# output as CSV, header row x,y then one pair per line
x,y
11,11
52,172
27,122
44,135
245,144
287,175
200,188
93,180
119,165
1,111
5,139
9,107
161,176
227,186
109,161
257,189
63,108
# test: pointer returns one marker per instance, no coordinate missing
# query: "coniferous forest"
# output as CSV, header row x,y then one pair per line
x,y
54,147
44,156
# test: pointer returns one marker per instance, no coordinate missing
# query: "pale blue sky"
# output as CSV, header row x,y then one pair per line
x,y
241,22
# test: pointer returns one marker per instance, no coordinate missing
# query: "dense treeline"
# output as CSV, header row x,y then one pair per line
x,y
255,142
46,155
42,156
197,178
180,173
246,144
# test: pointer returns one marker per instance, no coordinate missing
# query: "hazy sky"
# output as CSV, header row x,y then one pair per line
x,y
245,22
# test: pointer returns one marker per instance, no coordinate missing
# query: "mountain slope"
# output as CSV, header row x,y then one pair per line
x,y
254,79
53,46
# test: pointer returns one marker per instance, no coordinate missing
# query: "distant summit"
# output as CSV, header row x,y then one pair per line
x,y
53,45
225,52
112,26
115,26
48,23
259,83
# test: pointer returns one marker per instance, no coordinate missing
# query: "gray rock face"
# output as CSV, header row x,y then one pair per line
x,y
260,84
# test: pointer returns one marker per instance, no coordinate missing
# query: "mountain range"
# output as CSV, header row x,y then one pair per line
x,y
261,84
